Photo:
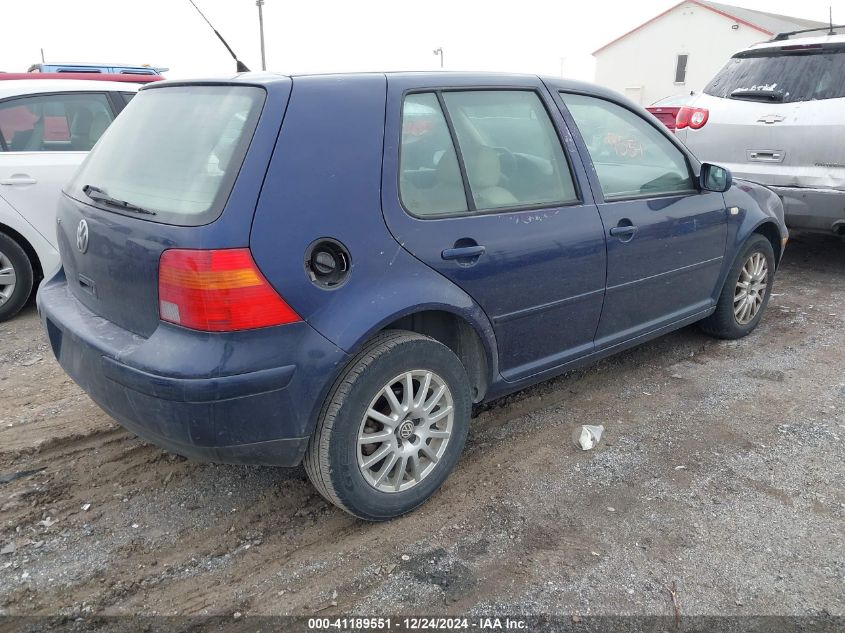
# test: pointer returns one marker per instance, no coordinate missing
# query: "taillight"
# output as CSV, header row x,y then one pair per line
x,y
217,291
694,118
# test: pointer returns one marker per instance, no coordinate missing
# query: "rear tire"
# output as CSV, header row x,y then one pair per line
x,y
746,292
16,277
417,436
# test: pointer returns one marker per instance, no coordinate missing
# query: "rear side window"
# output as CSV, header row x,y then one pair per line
x,y
507,148
512,154
631,157
174,151
784,77
49,123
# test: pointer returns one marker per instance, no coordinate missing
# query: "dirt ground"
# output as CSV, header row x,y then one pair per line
x,y
721,473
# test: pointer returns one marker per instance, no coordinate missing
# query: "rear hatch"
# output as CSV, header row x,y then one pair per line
x,y
181,167
775,116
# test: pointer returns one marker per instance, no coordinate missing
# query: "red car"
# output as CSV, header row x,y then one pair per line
x,y
125,77
666,110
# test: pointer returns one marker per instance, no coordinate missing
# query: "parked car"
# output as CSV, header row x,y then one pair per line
x,y
46,129
113,69
342,289
127,78
666,110
774,115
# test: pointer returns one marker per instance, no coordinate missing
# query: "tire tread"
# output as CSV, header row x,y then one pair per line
x,y
722,323
316,460
25,277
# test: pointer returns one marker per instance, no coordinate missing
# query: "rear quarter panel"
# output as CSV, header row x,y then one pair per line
x,y
324,181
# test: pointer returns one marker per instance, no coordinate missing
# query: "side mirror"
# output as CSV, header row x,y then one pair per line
x,y
715,178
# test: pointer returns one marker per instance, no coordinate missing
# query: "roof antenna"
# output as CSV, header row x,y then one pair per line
x,y
239,65
830,32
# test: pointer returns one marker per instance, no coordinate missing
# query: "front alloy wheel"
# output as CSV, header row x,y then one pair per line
x,y
751,288
746,291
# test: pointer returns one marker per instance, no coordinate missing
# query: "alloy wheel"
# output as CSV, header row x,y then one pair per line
x,y
8,278
405,431
751,288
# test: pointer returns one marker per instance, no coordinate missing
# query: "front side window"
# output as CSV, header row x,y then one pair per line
x,y
631,157
49,123
430,181
512,154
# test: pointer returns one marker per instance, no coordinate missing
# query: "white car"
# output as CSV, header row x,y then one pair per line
x,y
47,127
775,114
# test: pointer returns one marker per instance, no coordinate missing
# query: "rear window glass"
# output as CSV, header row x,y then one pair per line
x,y
785,77
174,151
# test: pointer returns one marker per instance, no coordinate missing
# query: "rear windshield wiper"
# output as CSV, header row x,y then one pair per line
x,y
95,193
758,95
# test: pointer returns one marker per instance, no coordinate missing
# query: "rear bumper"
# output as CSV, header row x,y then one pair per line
x,y
242,397
812,209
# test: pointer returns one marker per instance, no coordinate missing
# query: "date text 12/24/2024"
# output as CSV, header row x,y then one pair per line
x,y
416,624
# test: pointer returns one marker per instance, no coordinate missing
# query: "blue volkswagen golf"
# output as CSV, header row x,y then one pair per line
x,y
333,269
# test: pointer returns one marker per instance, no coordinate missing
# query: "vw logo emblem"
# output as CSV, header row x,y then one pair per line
x,y
82,236
406,430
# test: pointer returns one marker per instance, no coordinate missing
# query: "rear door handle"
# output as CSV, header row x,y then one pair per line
x,y
18,180
465,252
623,231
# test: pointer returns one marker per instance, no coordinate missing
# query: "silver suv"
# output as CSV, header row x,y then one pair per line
x,y
775,114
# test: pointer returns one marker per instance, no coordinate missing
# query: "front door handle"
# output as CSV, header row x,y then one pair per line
x,y
18,179
464,252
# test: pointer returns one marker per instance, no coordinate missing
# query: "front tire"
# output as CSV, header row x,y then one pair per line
x,y
16,277
746,292
392,428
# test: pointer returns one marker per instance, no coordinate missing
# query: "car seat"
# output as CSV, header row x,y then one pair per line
x,y
485,173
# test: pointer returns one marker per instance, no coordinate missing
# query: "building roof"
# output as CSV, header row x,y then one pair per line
x,y
766,23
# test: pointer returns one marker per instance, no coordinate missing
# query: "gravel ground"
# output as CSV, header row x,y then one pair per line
x,y
720,474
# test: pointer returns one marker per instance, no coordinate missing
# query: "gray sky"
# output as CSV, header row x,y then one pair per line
x,y
532,36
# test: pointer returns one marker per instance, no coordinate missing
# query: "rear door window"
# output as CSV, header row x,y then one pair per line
x,y
55,122
782,76
632,158
511,151
173,151
499,147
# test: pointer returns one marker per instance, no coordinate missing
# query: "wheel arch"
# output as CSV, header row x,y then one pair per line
x,y
770,231
32,255
459,335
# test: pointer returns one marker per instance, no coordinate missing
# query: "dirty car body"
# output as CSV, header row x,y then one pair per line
x,y
375,214
773,115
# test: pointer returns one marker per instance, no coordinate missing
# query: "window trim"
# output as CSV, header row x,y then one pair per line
x,y
472,210
656,125
469,199
105,93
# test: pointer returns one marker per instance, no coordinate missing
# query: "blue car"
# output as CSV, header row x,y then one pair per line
x,y
333,269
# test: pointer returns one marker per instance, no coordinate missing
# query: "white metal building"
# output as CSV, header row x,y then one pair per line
x,y
680,50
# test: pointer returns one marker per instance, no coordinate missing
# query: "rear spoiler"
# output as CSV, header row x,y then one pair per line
x,y
123,77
